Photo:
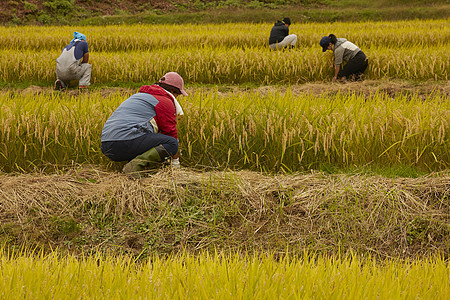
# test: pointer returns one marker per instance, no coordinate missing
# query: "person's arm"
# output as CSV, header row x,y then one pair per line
x,y
336,71
85,58
338,60
166,117
166,120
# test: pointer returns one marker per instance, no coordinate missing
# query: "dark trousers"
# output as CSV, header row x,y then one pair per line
x,y
127,150
355,66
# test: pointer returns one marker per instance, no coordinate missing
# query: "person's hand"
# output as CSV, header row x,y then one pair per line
x,y
334,79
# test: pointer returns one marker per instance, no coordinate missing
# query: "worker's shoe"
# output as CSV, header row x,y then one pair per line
x,y
152,158
59,86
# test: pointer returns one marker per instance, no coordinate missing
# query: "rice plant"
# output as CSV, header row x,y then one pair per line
x,y
220,276
404,34
227,53
272,132
229,66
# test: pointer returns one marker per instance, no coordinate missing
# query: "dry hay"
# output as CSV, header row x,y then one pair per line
x,y
176,209
366,87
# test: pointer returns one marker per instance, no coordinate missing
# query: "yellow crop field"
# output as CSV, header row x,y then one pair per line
x,y
221,277
229,66
315,189
227,53
409,34
273,132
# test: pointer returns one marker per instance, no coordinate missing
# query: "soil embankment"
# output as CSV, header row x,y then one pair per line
x,y
87,209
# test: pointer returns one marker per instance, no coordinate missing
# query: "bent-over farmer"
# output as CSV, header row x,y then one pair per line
x,y
73,64
345,52
143,129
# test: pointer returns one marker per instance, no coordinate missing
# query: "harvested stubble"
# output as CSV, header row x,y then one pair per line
x,y
85,209
269,132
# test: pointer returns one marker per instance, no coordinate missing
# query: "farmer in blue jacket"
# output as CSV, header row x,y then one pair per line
x,y
73,64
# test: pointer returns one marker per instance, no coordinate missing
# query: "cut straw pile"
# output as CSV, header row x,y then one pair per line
x,y
87,208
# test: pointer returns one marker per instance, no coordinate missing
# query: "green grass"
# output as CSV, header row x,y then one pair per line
x,y
206,12
297,15
388,171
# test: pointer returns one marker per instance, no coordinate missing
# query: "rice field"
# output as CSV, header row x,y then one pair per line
x,y
221,276
272,132
149,37
227,53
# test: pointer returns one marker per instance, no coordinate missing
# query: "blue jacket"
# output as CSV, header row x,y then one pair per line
x,y
132,118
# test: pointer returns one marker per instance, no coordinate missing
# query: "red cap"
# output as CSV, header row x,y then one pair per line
x,y
174,79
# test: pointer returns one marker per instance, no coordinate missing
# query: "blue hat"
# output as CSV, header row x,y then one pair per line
x,y
325,42
78,36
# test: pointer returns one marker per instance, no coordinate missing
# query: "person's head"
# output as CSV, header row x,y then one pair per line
x,y
79,36
287,21
327,42
173,83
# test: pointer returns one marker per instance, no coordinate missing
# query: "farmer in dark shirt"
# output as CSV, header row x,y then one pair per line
x,y
73,64
280,37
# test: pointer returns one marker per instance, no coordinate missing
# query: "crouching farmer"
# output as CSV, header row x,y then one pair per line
x,y
143,129
345,52
73,64
279,36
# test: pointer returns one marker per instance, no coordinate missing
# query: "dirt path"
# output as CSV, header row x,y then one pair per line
x,y
391,87
369,87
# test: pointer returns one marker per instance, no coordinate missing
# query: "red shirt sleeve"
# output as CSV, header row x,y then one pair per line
x,y
166,116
